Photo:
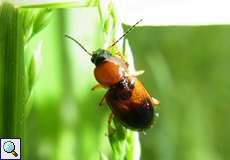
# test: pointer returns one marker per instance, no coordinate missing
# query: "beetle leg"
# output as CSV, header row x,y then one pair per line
x,y
111,130
110,118
155,101
121,56
96,87
137,73
102,101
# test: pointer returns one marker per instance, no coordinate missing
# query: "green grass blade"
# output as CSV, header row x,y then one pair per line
x,y
64,4
12,89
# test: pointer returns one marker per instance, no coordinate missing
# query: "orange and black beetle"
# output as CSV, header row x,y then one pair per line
x,y
127,97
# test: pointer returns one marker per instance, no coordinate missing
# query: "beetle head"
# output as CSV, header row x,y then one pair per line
x,y
99,56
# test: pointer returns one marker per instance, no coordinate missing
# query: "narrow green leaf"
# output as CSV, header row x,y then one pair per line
x,y
125,143
58,4
103,156
32,75
133,150
34,67
41,20
12,91
34,20
117,138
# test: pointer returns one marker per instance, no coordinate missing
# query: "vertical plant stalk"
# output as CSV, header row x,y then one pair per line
x,y
124,142
12,91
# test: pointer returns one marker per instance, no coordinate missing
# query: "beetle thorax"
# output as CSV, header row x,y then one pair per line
x,y
109,69
109,72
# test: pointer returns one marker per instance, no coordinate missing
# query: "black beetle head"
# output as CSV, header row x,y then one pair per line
x,y
99,56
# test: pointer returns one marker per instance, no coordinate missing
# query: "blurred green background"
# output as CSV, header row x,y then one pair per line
x,y
186,68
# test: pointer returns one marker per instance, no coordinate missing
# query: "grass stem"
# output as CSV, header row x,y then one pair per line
x,y
12,91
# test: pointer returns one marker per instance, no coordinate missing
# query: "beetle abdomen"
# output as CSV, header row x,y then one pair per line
x,y
131,104
138,118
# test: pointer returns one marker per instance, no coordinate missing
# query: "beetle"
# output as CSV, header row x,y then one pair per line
x,y
126,96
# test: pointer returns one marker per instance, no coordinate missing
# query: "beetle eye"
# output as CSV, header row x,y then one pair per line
x,y
93,58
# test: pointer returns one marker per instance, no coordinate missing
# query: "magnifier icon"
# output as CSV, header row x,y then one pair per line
x,y
9,147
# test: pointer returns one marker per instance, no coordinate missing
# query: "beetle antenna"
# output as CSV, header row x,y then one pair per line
x,y
129,30
79,44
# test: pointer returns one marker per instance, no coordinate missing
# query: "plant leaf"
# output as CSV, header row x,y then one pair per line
x,y
55,4
41,20
34,67
34,20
